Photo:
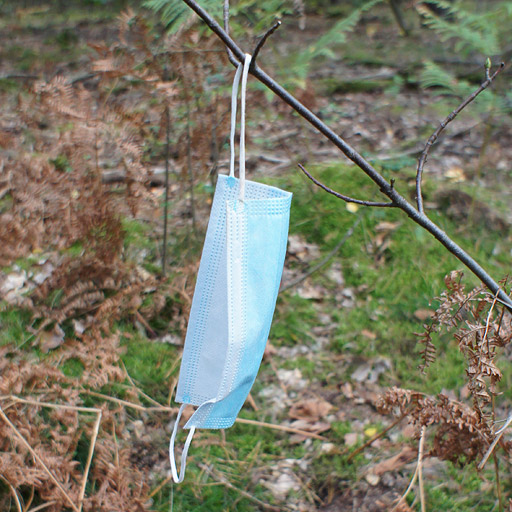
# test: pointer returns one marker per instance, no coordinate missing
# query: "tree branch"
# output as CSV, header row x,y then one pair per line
x,y
226,29
347,199
385,187
263,40
442,126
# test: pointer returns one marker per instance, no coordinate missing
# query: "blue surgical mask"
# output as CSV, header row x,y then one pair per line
x,y
235,295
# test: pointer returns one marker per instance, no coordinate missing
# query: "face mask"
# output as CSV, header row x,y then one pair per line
x,y
235,294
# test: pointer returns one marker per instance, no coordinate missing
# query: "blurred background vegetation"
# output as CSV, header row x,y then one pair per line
x,y
99,99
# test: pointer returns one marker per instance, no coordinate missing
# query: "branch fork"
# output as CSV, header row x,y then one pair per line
x,y
236,55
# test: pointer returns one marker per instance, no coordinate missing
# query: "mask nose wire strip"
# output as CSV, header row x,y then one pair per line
x,y
245,74
234,95
179,478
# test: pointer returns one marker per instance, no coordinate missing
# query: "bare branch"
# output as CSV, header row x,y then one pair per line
x,y
386,188
442,126
231,57
263,40
347,199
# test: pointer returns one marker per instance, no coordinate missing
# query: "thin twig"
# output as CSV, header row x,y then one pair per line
x,y
43,506
499,435
231,57
487,322
13,492
159,486
221,479
263,40
30,499
326,260
50,405
132,382
420,470
38,459
416,472
166,194
498,483
92,445
442,126
282,428
343,197
384,186
374,438
131,405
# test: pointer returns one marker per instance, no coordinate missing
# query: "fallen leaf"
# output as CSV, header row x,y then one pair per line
x,y
397,461
302,249
316,428
368,334
49,340
372,479
352,207
350,439
310,410
455,174
423,314
386,226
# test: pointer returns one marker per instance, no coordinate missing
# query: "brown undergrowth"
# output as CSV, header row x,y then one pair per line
x,y
461,431
57,452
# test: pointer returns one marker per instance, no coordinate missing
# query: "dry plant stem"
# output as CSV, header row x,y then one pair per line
x,y
30,499
38,459
166,204
326,260
498,484
92,445
416,472
223,481
347,199
43,506
420,470
488,320
282,428
147,397
499,435
161,408
374,438
14,494
160,486
442,126
386,188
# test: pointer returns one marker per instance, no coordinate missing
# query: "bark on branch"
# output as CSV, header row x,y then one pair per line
x,y
432,139
385,188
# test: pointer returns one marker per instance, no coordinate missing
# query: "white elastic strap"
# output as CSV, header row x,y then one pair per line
x,y
179,478
245,74
234,95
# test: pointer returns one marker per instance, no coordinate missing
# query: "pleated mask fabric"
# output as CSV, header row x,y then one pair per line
x,y
235,295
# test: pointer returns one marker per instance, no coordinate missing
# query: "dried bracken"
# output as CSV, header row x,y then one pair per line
x,y
481,327
458,433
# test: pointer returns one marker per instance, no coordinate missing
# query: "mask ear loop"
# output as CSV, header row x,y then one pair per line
x,y
245,74
234,95
179,478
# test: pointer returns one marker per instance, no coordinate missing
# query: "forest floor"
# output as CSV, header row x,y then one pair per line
x,y
91,332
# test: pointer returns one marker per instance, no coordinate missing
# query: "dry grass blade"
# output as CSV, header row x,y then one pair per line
x,y
222,480
92,445
499,435
417,471
282,428
14,494
42,506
